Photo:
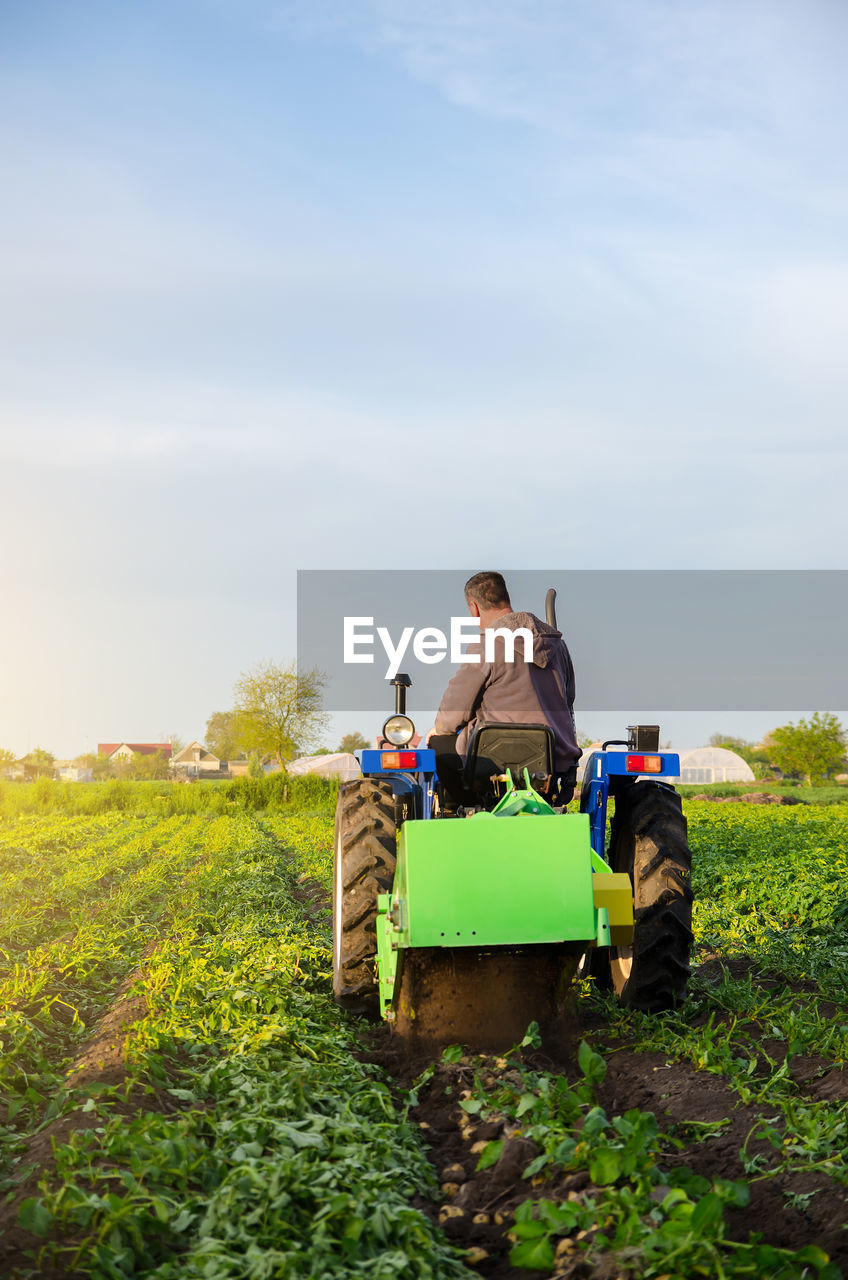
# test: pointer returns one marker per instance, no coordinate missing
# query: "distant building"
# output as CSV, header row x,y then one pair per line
x,y
115,751
67,771
195,760
713,764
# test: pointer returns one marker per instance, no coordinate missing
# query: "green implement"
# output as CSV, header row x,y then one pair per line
x,y
465,884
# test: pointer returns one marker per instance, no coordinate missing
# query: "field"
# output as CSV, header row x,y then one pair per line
x,y
181,1098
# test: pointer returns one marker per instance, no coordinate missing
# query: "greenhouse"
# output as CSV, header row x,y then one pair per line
x,y
713,764
339,764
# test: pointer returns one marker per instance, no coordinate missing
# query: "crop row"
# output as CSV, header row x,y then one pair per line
x,y
770,883
51,994
609,1196
269,1149
768,888
51,880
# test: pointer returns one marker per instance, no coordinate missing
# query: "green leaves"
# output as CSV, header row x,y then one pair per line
x,y
605,1166
284,1153
35,1217
490,1154
535,1226
532,1038
707,1213
533,1255
768,883
591,1064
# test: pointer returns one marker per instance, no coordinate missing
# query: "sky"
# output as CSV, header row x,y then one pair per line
x,y
332,284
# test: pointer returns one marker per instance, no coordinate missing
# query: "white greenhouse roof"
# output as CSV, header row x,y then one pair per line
x,y
713,764
339,765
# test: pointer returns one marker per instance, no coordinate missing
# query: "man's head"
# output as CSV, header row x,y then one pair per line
x,y
487,596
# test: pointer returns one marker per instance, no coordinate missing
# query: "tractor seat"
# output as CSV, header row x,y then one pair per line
x,y
496,749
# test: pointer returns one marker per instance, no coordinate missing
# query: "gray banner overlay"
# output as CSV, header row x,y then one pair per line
x,y
675,640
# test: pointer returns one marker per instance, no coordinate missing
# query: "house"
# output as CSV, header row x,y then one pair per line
x,y
122,751
241,768
195,760
67,771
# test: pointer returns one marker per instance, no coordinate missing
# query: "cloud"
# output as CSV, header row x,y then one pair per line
x,y
801,324
694,96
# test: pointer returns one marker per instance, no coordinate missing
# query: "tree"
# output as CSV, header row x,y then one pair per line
x,y
38,763
98,764
755,755
227,735
152,766
353,742
280,709
730,743
7,758
814,749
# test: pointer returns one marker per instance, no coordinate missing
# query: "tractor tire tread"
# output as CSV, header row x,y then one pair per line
x,y
365,854
648,840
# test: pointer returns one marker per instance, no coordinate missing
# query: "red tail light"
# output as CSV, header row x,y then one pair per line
x,y
398,759
644,764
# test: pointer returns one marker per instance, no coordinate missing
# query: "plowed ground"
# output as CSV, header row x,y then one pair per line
x,y
711,1132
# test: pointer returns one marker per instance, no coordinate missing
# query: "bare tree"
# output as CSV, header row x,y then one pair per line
x,y
281,709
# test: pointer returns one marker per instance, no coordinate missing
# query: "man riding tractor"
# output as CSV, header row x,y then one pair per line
x,y
521,679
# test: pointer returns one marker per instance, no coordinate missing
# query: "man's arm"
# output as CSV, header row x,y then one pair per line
x,y
462,696
570,682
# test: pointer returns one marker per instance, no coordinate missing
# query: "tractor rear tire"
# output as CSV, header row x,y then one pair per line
x,y
365,853
648,841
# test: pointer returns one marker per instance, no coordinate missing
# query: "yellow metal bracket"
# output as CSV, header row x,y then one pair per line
x,y
612,892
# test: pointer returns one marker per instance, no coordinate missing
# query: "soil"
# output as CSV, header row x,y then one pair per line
x,y
312,895
750,797
456,994
475,1209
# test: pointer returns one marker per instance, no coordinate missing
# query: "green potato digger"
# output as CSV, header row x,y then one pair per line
x,y
467,922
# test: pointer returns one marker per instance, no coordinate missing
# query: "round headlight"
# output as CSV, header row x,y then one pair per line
x,y
398,730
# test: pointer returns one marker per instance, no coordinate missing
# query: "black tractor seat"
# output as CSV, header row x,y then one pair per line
x,y
495,749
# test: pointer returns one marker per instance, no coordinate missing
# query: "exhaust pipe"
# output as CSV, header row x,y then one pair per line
x,y
550,607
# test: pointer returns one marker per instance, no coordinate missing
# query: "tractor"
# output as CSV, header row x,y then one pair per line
x,y
465,921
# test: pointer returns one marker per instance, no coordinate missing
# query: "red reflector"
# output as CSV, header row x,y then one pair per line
x,y
644,764
398,759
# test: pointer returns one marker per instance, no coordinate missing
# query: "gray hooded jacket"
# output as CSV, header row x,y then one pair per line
x,y
519,692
